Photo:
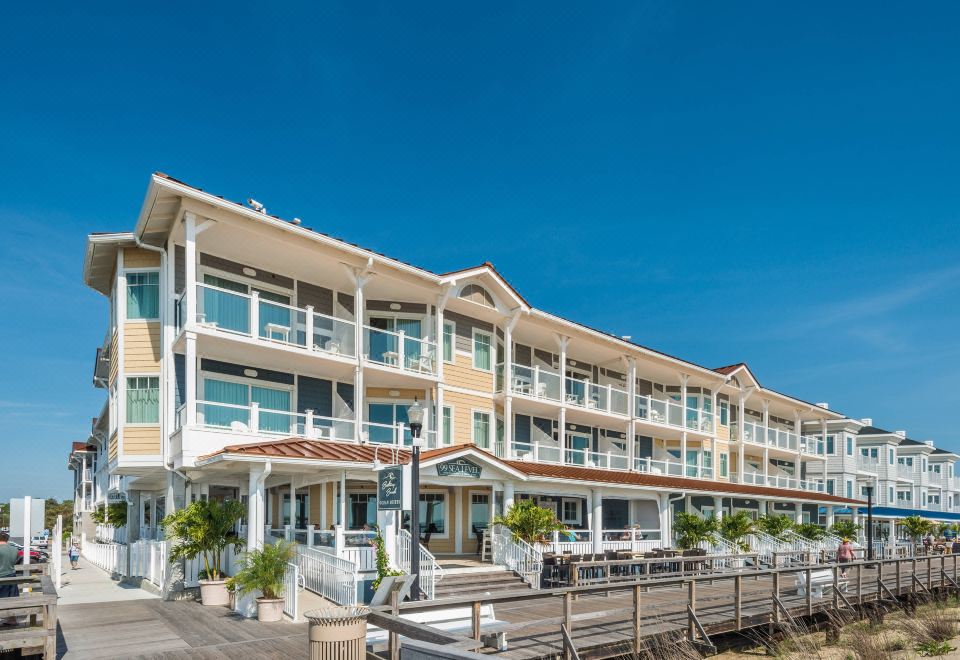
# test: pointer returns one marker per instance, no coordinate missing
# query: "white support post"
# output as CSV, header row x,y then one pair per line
x,y
823,436
293,502
441,423
459,522
26,531
631,412
359,394
190,270
683,421
323,506
308,423
342,503
666,519
254,417
597,529
508,496
308,328
761,507
310,531
268,496
766,446
829,516
190,379
798,512
718,507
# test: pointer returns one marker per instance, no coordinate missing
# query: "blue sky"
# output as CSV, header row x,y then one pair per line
x,y
722,181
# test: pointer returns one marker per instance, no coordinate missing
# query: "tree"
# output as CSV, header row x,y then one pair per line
x,y
810,530
845,529
735,527
117,514
529,522
692,530
52,508
775,525
916,527
205,528
264,569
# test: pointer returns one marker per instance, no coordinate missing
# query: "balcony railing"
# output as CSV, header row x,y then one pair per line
x,y
399,350
272,321
538,453
534,382
605,398
87,475
905,471
778,438
868,463
256,420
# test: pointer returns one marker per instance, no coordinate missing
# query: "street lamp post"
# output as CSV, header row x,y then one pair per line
x,y
870,522
415,417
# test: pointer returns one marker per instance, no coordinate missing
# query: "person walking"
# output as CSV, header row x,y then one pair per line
x,y
844,555
8,559
74,554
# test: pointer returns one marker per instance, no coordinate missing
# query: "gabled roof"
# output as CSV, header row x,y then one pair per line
x,y
487,268
324,450
873,430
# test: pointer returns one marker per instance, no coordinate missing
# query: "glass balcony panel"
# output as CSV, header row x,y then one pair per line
x,y
333,335
220,308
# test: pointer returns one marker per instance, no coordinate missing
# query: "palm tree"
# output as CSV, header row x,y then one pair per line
x,y
206,528
810,530
734,528
775,525
692,530
916,527
845,529
529,522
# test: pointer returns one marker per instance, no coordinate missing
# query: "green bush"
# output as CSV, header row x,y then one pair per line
x,y
735,527
845,529
775,525
205,528
691,530
264,570
529,522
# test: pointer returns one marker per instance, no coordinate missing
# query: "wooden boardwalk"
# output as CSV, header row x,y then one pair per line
x,y
167,630
603,624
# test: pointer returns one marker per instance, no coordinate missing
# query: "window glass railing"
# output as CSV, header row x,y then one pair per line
x,y
399,350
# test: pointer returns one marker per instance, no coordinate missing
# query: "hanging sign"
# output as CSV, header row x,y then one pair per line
x,y
459,467
390,489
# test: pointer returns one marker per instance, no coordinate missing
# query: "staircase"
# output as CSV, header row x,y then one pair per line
x,y
465,582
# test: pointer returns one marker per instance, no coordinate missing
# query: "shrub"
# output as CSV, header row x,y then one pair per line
x,y
734,528
810,530
529,522
383,561
692,530
264,570
775,525
205,528
845,529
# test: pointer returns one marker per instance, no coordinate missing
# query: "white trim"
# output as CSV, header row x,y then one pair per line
x,y
473,350
160,295
441,441
453,342
470,492
126,389
563,518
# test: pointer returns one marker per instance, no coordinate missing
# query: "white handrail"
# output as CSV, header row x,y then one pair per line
x,y
323,573
430,571
516,555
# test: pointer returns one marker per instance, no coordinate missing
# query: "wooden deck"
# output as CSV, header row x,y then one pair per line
x,y
166,630
603,625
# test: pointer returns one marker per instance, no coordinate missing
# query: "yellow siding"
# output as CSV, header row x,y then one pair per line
x,y
463,406
114,361
313,516
384,393
141,346
723,432
141,440
112,447
139,258
331,513
462,374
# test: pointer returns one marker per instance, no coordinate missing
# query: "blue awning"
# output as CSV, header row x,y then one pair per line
x,y
897,512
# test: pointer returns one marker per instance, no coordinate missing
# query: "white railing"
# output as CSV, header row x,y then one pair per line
x,y
516,555
658,411
106,533
149,533
148,560
868,463
605,398
722,547
56,553
399,350
574,541
254,419
802,543
274,322
535,382
905,471
323,573
765,546
813,486
292,584
111,557
430,571
194,569
672,468
395,434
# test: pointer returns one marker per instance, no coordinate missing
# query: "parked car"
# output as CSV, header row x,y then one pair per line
x,y
40,541
36,556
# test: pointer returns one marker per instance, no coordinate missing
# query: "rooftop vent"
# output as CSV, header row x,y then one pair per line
x,y
867,421
928,443
823,404
902,434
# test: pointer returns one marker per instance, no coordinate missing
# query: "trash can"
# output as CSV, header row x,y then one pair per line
x,y
338,633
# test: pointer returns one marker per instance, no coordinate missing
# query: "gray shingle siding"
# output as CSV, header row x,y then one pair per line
x,y
235,268
319,297
463,329
316,395
230,369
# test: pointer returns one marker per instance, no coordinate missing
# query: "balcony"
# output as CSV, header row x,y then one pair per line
x,y
905,471
254,420
671,413
399,351
549,386
869,464
539,453
86,476
777,438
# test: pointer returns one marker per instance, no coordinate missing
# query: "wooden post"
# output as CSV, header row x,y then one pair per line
x,y
692,596
836,587
809,595
929,572
568,612
898,576
737,600
913,581
776,594
394,638
636,620
859,583
476,620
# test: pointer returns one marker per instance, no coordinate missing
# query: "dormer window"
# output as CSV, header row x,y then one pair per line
x,y
477,294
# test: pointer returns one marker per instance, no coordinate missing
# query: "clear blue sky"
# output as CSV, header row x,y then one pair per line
x,y
722,181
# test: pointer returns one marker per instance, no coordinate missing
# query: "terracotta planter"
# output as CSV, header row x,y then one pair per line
x,y
214,592
269,609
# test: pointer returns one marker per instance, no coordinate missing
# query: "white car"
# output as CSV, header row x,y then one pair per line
x,y
39,541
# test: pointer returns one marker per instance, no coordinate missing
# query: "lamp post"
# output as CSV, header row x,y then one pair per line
x,y
869,522
415,417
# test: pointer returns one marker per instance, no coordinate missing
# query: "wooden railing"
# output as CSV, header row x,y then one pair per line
x,y
36,612
772,598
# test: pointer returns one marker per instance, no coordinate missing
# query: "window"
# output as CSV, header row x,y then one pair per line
x,y
113,407
933,499
707,459
906,461
724,461
481,429
830,486
432,513
571,511
923,464
482,350
933,468
904,495
447,425
479,511
892,455
143,400
850,489
143,295
724,413
892,495
448,333
236,397
362,511
849,445
384,417
830,446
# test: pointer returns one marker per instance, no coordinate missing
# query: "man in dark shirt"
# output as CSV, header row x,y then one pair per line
x,y
8,559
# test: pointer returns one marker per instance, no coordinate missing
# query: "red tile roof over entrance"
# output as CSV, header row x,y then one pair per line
x,y
298,448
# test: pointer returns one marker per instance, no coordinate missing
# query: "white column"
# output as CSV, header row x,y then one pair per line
x,y
718,507
190,379
666,520
268,507
256,509
823,434
761,507
766,447
829,516
458,520
741,419
508,496
324,525
293,502
441,426
205,491
688,503
631,412
190,269
562,435
359,395
855,515
597,527
798,512
507,391
342,508
683,422
387,521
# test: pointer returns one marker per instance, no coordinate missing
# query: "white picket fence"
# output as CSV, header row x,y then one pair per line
x,y
111,557
324,573
56,558
106,533
148,560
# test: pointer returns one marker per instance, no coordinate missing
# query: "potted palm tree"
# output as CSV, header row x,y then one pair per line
x,y
205,529
776,525
736,527
845,529
529,522
692,530
263,570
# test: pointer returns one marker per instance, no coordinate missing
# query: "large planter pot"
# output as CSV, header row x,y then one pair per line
x,y
214,592
269,609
